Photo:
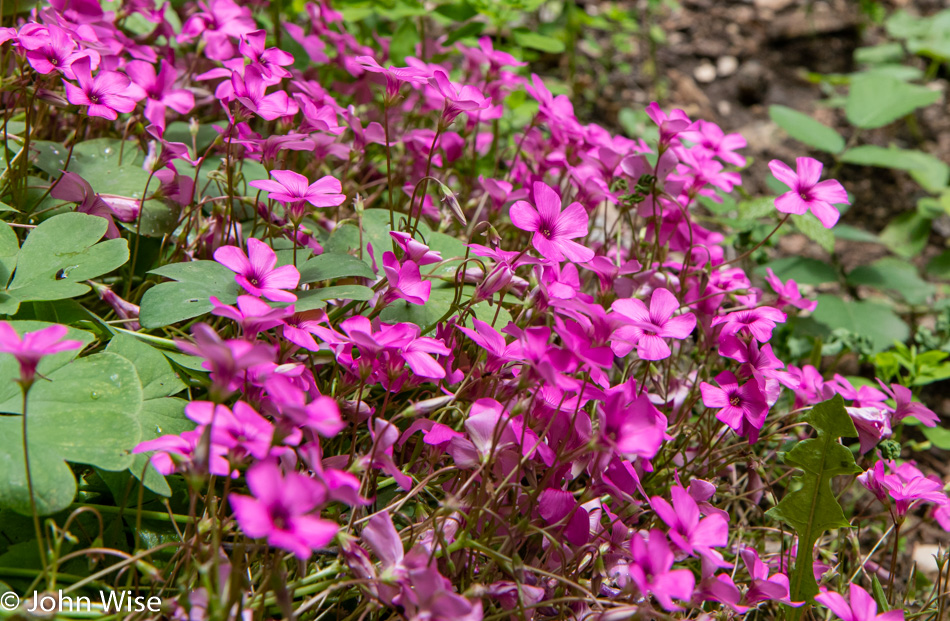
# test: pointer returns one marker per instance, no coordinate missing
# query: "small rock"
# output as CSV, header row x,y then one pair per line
x,y
726,66
773,5
705,72
924,556
723,107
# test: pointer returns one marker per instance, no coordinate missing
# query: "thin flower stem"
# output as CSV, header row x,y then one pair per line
x,y
25,389
758,245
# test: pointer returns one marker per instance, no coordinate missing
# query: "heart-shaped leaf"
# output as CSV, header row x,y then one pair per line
x,y
86,413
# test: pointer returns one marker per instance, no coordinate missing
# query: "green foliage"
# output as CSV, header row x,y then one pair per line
x,y
877,99
893,275
930,172
56,258
161,413
86,413
806,129
814,230
877,322
810,506
329,266
907,234
114,170
188,296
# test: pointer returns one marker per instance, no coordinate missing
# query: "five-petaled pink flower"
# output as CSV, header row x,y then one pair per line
x,y
861,608
282,510
106,94
405,281
553,229
743,408
807,192
294,190
647,327
33,347
255,271
759,322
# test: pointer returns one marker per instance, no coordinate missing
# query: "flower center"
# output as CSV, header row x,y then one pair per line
x,y
94,98
735,400
546,231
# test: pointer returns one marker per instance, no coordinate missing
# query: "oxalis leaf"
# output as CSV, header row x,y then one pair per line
x,y
58,257
86,413
810,506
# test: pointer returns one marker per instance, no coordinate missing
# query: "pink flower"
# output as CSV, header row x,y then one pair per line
x,y
764,587
50,48
33,347
416,251
861,608
158,90
106,95
251,90
872,424
648,327
294,190
907,486
229,360
788,294
271,60
651,570
553,229
906,406
255,270
670,126
807,192
281,510
405,281
395,76
458,98
759,322
742,408
710,136
687,531
241,431
253,314
633,428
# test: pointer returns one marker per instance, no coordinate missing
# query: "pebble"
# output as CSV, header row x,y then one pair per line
x,y
705,72
924,556
726,66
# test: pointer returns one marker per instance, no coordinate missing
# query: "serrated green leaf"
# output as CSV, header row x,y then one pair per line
x,y
875,99
805,129
809,505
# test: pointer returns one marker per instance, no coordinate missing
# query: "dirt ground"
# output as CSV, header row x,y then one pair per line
x,y
729,60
